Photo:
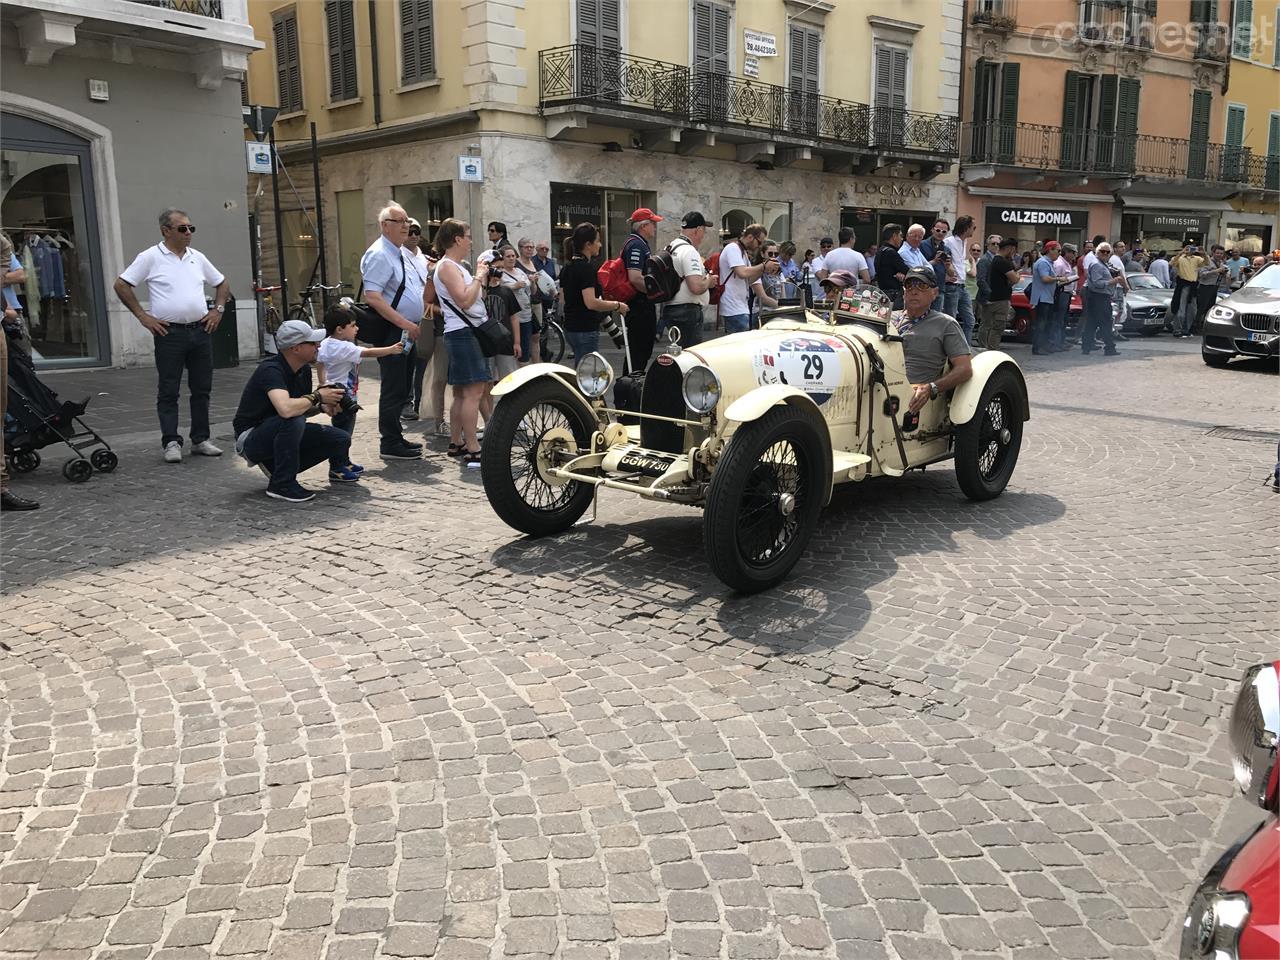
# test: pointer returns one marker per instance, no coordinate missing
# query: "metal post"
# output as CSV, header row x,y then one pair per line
x,y
319,205
275,200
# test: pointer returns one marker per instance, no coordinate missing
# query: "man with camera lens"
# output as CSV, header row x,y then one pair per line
x,y
271,425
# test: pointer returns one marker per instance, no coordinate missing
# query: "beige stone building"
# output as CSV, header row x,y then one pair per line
x,y
802,114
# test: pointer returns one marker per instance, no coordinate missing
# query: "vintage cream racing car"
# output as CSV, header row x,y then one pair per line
x,y
755,427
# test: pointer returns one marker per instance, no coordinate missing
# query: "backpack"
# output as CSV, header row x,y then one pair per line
x,y
662,280
712,265
614,282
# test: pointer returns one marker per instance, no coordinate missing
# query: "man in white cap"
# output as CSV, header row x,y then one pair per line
x,y
271,425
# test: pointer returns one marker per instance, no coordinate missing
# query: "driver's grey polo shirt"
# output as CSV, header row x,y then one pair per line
x,y
929,343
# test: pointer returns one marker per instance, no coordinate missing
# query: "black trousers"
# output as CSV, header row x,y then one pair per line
x,y
1097,322
1183,305
642,327
396,371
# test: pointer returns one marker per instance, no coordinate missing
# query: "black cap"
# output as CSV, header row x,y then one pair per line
x,y
922,273
828,241
1008,242
694,219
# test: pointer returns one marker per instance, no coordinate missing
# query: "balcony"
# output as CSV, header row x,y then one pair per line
x,y
1212,43
1039,152
201,8
1112,24
579,84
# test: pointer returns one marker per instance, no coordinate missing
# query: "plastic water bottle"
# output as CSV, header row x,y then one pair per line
x,y
405,343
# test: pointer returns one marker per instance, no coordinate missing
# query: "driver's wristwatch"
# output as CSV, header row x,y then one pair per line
x,y
933,391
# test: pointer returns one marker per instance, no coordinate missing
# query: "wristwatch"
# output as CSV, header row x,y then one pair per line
x,y
933,391
220,307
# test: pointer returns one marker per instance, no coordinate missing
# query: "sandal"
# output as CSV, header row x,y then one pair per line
x,y
456,450
471,459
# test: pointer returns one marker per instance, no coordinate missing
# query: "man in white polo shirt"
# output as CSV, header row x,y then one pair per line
x,y
181,323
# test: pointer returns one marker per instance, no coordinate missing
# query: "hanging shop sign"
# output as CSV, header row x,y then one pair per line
x,y
760,44
1175,221
1038,217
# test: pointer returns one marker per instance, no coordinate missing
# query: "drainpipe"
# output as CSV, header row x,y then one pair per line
x,y
964,57
373,54
1231,20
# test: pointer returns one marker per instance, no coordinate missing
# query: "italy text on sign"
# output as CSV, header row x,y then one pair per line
x,y
760,44
1039,217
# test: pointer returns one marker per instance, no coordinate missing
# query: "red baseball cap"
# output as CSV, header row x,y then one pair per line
x,y
1051,245
643,214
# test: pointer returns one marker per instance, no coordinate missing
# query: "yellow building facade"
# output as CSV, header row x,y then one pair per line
x,y
802,114
1251,124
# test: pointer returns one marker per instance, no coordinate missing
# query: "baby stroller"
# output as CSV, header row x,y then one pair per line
x,y
36,418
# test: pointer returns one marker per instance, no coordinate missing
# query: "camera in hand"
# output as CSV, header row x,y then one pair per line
x,y
1115,272
347,403
610,326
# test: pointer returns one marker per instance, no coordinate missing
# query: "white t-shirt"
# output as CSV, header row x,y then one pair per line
x,y
816,265
955,246
1089,260
341,360
688,263
175,286
733,302
510,279
476,312
846,258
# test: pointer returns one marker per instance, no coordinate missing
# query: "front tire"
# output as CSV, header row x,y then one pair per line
x,y
987,446
537,420
765,497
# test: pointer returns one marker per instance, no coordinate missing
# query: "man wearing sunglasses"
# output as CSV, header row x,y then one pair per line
x,y
181,324
929,341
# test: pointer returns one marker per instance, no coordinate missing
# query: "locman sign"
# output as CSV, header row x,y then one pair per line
x,y
1039,218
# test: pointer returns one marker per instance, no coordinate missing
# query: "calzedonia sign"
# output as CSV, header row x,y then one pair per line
x,y
1038,217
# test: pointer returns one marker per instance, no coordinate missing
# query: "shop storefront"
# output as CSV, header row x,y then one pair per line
x,y
884,201
867,223
1031,223
1163,230
608,209
48,207
736,214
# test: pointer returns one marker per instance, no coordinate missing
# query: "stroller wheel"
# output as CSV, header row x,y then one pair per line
x,y
24,461
104,461
77,471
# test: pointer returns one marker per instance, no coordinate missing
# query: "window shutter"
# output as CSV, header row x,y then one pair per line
x,y
1108,97
1272,181
1233,149
610,20
417,41
802,95
890,93
1235,126
341,25
288,67
1008,130
701,37
720,38
1197,156
1242,33
1073,110
981,136
589,22
1127,123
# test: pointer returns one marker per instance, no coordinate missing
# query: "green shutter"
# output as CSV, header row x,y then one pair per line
x,y
1108,103
1007,137
1233,152
340,21
980,135
1197,158
1075,109
1242,32
1127,124
1272,179
417,41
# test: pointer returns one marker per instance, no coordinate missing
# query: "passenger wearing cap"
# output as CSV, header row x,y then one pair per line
x,y
271,425
642,317
684,310
930,340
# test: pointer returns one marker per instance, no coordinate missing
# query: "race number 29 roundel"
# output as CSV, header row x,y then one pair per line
x,y
808,363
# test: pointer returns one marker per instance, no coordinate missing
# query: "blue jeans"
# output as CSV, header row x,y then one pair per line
x,y
288,446
346,422
582,342
1042,326
1058,333
737,323
964,313
184,348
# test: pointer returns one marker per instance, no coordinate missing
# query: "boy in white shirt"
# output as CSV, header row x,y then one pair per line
x,y
338,362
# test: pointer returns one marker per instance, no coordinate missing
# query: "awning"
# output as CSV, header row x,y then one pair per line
x,y
1181,206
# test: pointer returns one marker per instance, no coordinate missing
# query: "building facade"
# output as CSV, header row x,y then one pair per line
x,y
1251,124
800,114
110,112
1086,117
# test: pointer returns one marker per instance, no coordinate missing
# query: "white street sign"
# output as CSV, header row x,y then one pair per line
x,y
259,156
471,169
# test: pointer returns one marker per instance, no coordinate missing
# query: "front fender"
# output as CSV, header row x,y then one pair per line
x,y
522,375
966,397
752,406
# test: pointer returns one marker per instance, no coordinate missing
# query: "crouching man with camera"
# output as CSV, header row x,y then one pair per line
x,y
271,426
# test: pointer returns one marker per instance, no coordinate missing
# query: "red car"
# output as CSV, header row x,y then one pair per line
x,y
1235,913
1020,320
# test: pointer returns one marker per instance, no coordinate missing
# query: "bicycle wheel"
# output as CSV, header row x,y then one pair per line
x,y
271,319
302,311
553,342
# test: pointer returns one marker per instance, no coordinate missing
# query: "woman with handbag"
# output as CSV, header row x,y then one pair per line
x,y
462,297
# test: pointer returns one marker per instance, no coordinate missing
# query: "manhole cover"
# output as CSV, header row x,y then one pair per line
x,y
1232,433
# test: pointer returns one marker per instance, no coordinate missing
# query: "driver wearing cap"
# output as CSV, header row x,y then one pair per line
x,y
929,341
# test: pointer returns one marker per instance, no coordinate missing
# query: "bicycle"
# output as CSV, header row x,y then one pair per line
x,y
305,308
271,318
551,341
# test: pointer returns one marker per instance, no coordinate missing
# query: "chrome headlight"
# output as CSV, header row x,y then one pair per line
x,y
1255,730
701,389
594,375
1221,314
1211,930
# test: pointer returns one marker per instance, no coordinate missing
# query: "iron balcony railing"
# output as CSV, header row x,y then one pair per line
x,y
203,8
582,74
1037,147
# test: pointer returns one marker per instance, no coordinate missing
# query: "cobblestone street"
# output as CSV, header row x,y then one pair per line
x,y
384,725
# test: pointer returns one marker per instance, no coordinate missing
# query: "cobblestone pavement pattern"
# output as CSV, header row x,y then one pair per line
x,y
381,725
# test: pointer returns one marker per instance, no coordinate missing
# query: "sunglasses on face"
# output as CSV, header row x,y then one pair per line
x,y
185,228
415,232
916,285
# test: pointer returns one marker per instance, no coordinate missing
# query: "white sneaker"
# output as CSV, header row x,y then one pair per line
x,y
206,449
173,452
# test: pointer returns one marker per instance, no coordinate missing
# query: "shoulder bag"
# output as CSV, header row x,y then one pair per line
x,y
494,338
373,328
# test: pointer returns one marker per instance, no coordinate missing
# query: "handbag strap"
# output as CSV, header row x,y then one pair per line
x,y
458,313
395,301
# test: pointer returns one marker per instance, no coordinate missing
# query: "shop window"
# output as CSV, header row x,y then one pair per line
x,y
301,253
609,210
428,203
737,214
417,41
47,206
1249,240
340,24
288,63
353,239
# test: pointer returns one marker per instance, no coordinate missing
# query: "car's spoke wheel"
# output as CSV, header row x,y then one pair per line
x,y
987,446
531,431
765,498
